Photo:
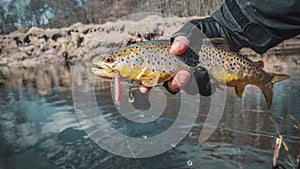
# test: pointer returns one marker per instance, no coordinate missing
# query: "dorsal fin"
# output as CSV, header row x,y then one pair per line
x,y
219,43
260,63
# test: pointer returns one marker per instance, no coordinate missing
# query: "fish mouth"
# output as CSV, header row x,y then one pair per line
x,y
102,71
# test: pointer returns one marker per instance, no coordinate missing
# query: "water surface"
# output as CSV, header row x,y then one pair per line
x,y
39,126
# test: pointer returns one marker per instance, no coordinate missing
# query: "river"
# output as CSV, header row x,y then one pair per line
x,y
41,125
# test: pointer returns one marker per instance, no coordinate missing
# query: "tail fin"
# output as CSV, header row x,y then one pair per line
x,y
267,89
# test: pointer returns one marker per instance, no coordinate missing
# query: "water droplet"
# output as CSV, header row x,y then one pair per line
x,y
190,134
130,99
144,136
173,145
130,95
153,116
85,137
189,163
142,115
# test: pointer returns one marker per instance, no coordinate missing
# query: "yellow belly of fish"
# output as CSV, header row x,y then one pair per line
x,y
227,78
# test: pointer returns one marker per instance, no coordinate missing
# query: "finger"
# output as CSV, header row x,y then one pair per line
x,y
179,45
179,80
143,89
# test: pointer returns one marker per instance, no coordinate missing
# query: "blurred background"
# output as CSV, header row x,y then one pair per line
x,y
23,14
39,128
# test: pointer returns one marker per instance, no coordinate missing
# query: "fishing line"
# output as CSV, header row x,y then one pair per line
x,y
125,131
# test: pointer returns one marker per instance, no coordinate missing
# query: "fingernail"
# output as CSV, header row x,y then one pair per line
x,y
183,78
144,89
176,46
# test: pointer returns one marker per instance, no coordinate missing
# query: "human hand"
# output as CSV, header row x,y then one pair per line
x,y
179,79
191,36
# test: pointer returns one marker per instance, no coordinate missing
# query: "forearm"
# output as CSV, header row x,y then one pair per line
x,y
258,24
245,24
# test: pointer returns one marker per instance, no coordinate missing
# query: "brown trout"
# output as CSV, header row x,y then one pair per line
x,y
151,62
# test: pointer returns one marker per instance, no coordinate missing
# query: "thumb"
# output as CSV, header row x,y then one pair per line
x,y
179,45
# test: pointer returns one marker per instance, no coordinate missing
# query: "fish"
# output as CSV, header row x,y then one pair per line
x,y
151,63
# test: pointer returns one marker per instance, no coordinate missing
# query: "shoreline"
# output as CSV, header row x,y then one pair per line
x,y
80,42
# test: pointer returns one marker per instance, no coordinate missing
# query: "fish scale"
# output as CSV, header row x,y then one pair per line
x,y
151,63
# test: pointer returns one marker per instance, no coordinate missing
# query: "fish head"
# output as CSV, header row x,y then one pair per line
x,y
103,65
124,60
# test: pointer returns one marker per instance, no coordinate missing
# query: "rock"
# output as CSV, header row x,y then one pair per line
x,y
80,42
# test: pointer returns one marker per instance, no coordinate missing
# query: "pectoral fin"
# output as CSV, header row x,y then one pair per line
x,y
239,90
150,80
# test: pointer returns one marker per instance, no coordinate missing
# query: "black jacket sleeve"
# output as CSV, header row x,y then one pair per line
x,y
257,24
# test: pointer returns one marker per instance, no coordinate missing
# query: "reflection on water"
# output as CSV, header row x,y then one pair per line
x,y
39,128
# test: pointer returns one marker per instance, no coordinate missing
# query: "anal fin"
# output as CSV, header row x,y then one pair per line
x,y
239,90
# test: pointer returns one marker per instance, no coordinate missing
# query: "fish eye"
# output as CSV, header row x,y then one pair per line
x,y
108,59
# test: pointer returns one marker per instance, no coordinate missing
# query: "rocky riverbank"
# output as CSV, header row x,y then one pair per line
x,y
80,42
